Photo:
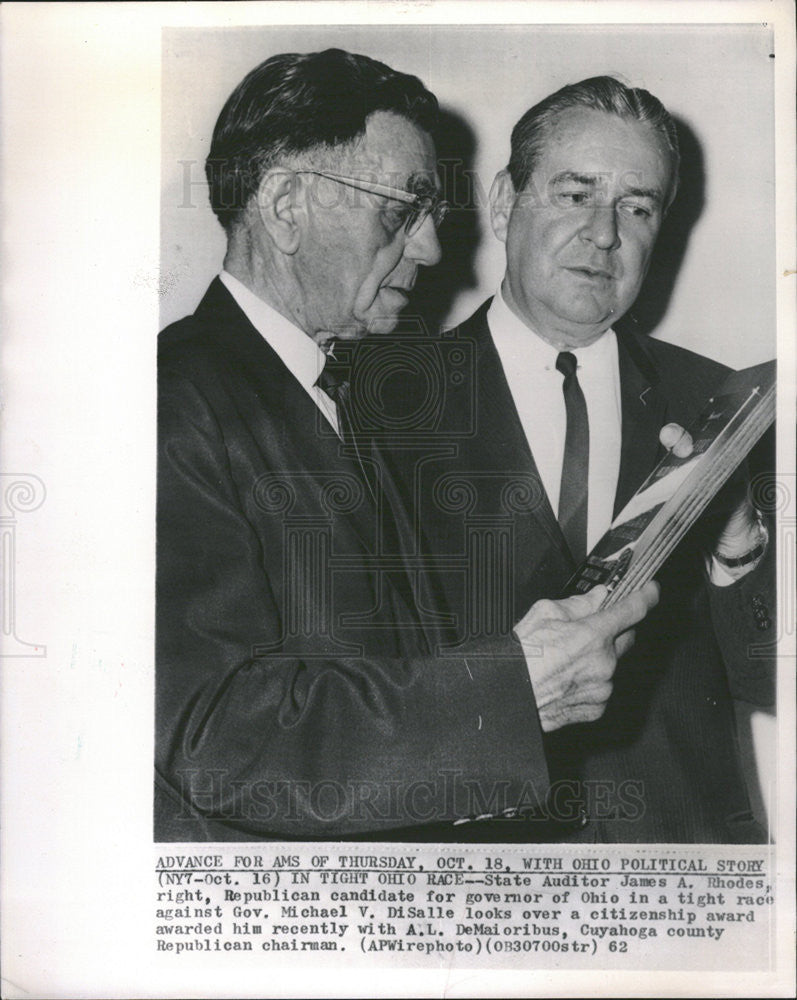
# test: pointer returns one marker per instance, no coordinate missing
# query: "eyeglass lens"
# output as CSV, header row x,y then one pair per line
x,y
429,206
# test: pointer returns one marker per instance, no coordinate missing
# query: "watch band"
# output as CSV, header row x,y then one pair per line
x,y
743,560
752,554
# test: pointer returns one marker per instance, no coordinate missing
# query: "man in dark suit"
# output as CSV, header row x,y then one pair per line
x,y
299,690
545,437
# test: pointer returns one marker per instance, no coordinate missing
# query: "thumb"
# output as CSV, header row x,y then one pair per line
x,y
677,440
629,610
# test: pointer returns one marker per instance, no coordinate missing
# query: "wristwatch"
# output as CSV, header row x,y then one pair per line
x,y
752,554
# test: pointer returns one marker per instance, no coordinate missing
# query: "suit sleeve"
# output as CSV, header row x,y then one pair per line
x,y
292,744
743,615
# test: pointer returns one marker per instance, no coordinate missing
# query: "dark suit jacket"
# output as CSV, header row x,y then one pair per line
x,y
297,693
662,764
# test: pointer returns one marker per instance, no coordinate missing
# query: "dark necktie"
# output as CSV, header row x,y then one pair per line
x,y
575,465
335,380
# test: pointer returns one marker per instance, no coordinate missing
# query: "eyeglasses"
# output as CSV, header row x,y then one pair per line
x,y
422,205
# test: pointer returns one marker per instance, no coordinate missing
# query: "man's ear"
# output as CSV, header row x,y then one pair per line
x,y
502,198
276,208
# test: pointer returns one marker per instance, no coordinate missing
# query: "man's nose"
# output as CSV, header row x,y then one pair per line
x,y
601,228
424,246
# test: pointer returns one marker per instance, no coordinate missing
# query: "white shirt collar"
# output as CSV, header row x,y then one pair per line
x,y
514,335
529,364
300,354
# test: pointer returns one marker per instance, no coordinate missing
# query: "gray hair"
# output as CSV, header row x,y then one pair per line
x,y
293,103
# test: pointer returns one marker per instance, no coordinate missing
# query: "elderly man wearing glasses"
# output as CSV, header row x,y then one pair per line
x,y
299,690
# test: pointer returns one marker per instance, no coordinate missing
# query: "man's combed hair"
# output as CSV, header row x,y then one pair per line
x,y
598,93
291,104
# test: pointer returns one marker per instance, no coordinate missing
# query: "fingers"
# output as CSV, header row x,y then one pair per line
x,y
677,440
581,605
624,642
584,705
650,593
556,719
538,614
596,693
576,652
567,610
629,611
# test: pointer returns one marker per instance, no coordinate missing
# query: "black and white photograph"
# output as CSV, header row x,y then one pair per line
x,y
361,627
399,500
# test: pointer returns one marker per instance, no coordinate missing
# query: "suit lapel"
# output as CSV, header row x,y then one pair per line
x,y
311,447
644,412
500,443
306,439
